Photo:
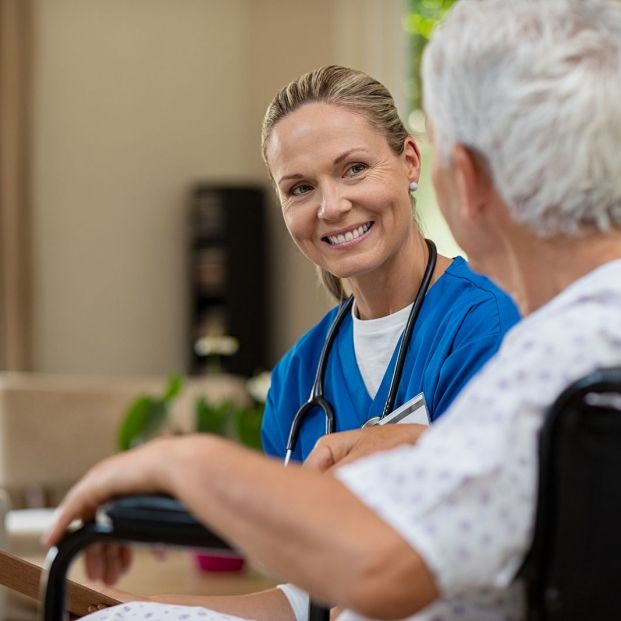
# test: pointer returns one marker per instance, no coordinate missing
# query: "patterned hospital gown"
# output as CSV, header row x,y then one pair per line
x,y
152,611
464,496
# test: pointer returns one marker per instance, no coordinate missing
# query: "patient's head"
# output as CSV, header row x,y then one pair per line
x,y
534,88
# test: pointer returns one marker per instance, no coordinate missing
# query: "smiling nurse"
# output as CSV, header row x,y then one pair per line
x,y
344,166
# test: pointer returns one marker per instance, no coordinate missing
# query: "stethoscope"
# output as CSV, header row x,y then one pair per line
x,y
317,400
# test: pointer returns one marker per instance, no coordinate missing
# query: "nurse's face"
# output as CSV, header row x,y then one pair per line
x,y
344,192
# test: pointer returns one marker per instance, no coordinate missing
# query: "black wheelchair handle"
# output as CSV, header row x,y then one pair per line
x,y
143,519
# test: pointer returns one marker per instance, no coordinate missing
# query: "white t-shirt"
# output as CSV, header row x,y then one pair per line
x,y
374,343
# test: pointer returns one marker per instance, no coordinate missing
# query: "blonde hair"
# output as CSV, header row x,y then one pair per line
x,y
344,87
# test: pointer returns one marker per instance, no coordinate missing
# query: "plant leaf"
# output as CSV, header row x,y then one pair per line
x,y
173,388
210,419
248,426
145,417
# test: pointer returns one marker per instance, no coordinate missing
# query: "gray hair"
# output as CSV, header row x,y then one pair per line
x,y
533,87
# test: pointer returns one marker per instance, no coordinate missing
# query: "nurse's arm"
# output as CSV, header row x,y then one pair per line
x,y
300,525
338,449
269,605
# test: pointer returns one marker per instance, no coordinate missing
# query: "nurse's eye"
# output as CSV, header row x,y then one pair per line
x,y
355,169
301,188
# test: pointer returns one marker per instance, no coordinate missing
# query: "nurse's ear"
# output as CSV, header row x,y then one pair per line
x,y
411,159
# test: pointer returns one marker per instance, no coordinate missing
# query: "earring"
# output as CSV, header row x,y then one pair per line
x,y
413,186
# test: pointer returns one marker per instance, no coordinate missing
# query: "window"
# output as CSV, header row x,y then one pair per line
x,y
419,19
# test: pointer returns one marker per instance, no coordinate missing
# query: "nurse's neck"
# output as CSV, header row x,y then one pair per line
x,y
394,285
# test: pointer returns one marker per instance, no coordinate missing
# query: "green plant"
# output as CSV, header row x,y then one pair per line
x,y
149,416
230,420
420,19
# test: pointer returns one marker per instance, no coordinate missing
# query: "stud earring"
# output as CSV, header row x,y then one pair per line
x,y
413,186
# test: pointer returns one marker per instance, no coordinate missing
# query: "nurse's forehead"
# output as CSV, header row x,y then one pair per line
x,y
320,117
320,129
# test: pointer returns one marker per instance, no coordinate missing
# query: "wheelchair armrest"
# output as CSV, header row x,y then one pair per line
x,y
166,519
145,519
157,519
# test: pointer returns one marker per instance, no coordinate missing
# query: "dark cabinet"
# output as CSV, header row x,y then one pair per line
x,y
227,279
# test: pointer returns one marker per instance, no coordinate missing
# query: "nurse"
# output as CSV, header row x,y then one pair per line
x,y
344,168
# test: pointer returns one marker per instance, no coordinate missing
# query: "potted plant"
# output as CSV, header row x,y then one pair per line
x,y
149,416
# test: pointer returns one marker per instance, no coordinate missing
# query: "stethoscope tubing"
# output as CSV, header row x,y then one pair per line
x,y
317,399
409,327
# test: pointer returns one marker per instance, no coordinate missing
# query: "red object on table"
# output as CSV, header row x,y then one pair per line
x,y
218,562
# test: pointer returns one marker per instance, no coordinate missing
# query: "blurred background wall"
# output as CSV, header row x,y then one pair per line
x,y
134,101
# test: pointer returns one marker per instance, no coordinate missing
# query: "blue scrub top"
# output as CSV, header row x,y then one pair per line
x,y
460,326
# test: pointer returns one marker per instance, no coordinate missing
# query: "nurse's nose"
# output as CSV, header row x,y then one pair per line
x,y
333,205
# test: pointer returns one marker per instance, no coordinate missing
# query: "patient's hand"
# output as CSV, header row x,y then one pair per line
x,y
344,447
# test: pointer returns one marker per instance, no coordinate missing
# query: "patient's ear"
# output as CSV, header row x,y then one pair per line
x,y
474,182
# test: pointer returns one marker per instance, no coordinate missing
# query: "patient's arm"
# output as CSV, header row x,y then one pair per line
x,y
302,526
338,449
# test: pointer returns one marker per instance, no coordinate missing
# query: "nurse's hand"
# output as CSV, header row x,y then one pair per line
x,y
344,447
107,562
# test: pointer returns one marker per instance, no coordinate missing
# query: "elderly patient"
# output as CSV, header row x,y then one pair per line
x,y
522,98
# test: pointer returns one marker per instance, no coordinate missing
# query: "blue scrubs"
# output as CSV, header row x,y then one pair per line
x,y
460,327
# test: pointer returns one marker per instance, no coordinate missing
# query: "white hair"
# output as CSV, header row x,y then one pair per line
x,y
533,87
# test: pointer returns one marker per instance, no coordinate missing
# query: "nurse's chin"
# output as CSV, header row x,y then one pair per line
x,y
352,272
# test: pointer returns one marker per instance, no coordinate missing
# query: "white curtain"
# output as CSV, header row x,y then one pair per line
x,y
15,40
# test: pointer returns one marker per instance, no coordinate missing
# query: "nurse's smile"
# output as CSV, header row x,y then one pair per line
x,y
348,237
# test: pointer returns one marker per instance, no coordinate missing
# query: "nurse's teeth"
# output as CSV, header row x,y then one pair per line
x,y
340,239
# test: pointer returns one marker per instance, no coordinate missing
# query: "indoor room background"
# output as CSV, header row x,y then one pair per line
x,y
124,106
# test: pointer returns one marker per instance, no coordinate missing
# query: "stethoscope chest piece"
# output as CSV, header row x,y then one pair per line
x,y
372,422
